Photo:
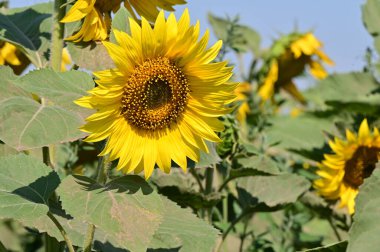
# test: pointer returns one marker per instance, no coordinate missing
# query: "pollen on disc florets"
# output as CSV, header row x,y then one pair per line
x,y
155,95
361,165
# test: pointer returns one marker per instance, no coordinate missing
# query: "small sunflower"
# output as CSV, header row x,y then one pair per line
x,y
354,159
164,98
241,96
291,55
11,56
97,15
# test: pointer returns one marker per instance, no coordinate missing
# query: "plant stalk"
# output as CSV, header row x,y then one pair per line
x,y
62,231
57,35
103,167
208,188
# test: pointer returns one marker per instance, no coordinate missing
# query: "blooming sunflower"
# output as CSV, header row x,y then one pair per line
x,y
241,96
11,56
291,55
353,160
97,15
164,98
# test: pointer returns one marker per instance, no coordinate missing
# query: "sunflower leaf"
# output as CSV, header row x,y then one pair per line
x,y
302,132
271,190
87,54
133,215
25,187
26,123
364,230
352,91
242,39
29,29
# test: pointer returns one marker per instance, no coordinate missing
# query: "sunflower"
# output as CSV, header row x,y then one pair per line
x,y
11,56
291,55
241,94
97,15
164,98
354,159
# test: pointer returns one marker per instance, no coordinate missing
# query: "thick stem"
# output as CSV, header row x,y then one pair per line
x,y
62,231
103,167
57,35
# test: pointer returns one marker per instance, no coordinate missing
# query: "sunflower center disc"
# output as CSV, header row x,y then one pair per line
x,y
361,165
155,94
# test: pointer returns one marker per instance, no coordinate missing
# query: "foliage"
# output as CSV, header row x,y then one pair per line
x,y
251,192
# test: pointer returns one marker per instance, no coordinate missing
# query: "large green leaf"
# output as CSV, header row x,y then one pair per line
x,y
371,16
26,123
29,29
302,132
345,89
88,55
365,228
181,228
25,187
132,215
272,190
242,39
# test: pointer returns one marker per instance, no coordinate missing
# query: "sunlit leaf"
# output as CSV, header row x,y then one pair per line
x,y
364,230
129,204
25,187
27,123
272,190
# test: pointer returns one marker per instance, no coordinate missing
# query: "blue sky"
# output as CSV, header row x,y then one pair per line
x,y
337,23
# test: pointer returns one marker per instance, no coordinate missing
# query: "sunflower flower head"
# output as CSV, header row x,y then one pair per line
x,y
354,159
289,58
164,98
96,15
13,57
241,96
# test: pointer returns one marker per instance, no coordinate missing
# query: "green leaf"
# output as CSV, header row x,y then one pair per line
x,y
25,187
87,55
371,16
243,38
182,229
345,90
206,159
260,164
120,22
133,215
336,247
272,190
29,29
363,234
302,132
183,189
28,124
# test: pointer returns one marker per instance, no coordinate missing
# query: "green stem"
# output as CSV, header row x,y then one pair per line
x,y
2,247
195,175
232,225
62,231
57,35
333,227
208,189
103,167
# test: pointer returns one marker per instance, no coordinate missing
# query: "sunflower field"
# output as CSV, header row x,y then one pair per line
x,y
128,125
